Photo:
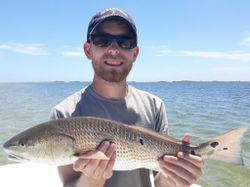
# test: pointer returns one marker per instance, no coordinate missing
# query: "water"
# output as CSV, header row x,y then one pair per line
x,y
204,109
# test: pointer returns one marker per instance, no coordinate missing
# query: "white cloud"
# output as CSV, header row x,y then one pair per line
x,y
4,46
74,52
238,55
231,70
28,49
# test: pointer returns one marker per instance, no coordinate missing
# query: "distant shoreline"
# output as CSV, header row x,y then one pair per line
x,y
182,81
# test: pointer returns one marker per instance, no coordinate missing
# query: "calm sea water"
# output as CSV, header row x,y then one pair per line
x,y
203,109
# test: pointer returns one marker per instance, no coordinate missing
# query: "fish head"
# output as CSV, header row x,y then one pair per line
x,y
43,144
17,147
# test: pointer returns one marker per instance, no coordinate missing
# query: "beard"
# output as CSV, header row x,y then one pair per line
x,y
112,74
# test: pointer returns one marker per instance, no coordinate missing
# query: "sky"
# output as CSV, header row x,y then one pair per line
x,y
193,40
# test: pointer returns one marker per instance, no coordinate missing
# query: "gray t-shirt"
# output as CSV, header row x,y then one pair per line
x,y
137,108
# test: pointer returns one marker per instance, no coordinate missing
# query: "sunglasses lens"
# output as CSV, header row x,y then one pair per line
x,y
101,40
104,40
126,42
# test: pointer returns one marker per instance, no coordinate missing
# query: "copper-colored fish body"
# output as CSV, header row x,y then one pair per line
x,y
63,141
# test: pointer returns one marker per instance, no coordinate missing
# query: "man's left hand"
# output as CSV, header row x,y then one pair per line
x,y
181,170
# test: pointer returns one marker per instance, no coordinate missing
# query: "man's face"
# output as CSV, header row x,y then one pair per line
x,y
112,63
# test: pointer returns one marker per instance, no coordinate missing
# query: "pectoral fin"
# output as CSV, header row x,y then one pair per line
x,y
98,155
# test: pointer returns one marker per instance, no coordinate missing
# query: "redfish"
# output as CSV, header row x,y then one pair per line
x,y
63,141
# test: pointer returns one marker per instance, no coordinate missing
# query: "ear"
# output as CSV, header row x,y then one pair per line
x,y
136,52
86,48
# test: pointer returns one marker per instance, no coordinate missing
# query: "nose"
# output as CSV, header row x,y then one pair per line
x,y
113,48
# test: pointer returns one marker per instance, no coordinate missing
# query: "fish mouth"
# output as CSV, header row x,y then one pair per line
x,y
15,157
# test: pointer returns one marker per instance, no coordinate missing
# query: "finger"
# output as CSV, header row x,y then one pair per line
x,y
173,176
93,163
186,165
110,165
195,160
110,150
100,169
187,137
109,168
179,171
193,166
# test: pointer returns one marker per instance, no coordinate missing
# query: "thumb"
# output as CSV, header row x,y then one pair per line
x,y
186,137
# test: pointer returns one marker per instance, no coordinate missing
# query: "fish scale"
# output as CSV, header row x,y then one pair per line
x,y
62,141
128,145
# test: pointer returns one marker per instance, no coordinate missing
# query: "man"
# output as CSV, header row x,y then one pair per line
x,y
112,47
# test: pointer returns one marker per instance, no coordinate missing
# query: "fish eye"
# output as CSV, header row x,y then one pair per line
x,y
23,142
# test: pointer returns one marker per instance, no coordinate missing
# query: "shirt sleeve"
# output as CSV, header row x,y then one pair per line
x,y
161,122
55,114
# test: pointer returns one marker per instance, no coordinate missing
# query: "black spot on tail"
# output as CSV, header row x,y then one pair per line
x,y
214,144
225,148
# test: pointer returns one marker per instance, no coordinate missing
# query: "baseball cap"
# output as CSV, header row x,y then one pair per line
x,y
111,14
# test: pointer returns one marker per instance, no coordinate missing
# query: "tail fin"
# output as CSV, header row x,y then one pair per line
x,y
227,146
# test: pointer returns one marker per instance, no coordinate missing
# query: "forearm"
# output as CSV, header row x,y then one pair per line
x,y
84,181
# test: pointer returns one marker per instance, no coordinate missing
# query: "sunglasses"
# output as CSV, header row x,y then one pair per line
x,y
105,39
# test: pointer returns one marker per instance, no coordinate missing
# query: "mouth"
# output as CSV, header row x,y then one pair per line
x,y
15,157
113,63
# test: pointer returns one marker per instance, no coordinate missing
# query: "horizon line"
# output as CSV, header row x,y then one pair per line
x,y
160,81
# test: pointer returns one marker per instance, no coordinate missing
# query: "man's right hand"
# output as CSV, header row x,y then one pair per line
x,y
98,169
